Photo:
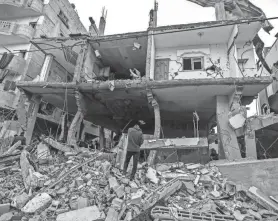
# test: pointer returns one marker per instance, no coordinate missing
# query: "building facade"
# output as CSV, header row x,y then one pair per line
x,y
21,22
181,80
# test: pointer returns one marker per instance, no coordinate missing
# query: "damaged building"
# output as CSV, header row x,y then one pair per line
x,y
20,22
181,80
189,85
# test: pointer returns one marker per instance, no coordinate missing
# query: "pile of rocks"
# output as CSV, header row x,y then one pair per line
x,y
82,185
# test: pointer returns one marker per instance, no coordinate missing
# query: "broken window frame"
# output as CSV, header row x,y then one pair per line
x,y
63,18
33,24
193,61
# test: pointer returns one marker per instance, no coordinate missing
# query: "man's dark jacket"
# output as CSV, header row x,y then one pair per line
x,y
135,139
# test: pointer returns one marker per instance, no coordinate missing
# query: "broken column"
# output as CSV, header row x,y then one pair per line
x,y
101,138
157,127
74,129
32,117
64,128
220,11
227,136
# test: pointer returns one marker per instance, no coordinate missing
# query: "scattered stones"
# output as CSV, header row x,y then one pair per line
x,y
191,188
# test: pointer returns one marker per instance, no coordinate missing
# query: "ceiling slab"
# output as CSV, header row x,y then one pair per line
x,y
177,98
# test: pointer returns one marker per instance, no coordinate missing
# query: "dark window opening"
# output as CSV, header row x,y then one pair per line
x,y
9,85
64,19
191,64
197,63
33,24
187,64
22,53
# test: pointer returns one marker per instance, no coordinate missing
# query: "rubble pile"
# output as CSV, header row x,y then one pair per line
x,y
85,185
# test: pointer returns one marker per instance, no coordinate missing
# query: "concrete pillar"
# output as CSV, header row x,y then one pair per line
x,y
80,63
220,12
227,135
101,138
150,58
250,144
157,130
64,124
75,128
46,68
102,22
32,112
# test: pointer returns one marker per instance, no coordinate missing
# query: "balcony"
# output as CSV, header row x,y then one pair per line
x,y
16,65
12,33
20,8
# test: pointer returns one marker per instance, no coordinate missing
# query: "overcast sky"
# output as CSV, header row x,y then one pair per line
x,y
133,15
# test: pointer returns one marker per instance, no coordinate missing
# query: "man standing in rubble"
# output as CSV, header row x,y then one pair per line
x,y
134,141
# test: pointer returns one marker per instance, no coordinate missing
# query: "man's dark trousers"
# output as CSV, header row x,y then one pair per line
x,y
135,155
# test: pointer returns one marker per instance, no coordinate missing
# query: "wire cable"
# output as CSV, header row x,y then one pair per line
x,y
243,21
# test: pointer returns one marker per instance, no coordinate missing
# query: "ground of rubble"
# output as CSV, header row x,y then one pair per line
x,y
84,185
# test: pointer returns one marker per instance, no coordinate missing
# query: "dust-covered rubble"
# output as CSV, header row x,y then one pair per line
x,y
85,185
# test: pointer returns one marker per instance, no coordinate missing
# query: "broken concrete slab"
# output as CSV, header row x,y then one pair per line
x,y
55,144
38,202
112,215
255,194
7,216
20,201
82,202
237,121
43,153
113,183
86,214
4,208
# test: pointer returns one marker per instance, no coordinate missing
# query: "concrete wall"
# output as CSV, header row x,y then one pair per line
x,y
249,69
262,174
217,53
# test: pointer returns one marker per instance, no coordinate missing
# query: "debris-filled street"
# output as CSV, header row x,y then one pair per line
x,y
44,183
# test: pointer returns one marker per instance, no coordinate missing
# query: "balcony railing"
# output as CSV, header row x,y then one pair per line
x,y
21,30
36,5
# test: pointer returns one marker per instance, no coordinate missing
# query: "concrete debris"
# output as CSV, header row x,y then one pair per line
x,y
88,187
86,214
151,175
40,201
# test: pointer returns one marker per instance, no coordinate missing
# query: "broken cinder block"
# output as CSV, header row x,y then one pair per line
x,y
38,202
86,214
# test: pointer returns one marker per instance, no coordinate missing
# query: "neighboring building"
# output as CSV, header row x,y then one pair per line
x,y
22,21
193,77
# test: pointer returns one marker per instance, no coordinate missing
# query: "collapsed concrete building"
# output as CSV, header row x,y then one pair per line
x,y
186,79
20,22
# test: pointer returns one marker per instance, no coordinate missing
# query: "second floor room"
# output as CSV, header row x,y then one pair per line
x,y
220,49
204,50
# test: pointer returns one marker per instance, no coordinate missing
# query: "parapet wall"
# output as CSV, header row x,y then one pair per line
x,y
262,174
